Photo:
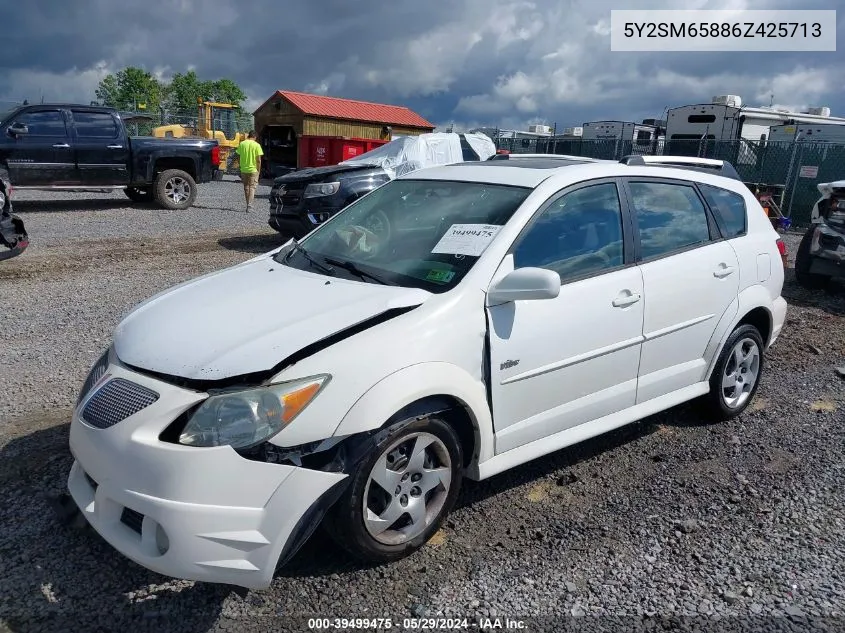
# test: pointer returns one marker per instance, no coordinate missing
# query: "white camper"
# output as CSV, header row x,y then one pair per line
x,y
641,134
727,119
807,133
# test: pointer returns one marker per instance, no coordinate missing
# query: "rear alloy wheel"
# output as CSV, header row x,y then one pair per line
x,y
400,495
736,377
175,189
138,195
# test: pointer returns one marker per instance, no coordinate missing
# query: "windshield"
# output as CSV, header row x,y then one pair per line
x,y
419,233
6,112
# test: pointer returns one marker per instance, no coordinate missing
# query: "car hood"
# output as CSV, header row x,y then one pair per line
x,y
247,319
318,173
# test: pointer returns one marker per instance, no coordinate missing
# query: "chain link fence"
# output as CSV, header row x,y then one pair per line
x,y
791,170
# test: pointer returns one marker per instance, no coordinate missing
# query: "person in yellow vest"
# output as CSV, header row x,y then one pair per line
x,y
249,155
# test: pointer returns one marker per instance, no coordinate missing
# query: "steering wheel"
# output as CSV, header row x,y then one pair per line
x,y
378,224
361,241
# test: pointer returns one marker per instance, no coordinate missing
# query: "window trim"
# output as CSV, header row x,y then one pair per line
x,y
37,110
93,139
717,217
713,229
628,259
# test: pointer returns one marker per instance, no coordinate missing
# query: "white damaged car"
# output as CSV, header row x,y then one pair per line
x,y
455,322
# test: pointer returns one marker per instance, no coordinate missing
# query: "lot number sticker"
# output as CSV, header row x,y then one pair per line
x,y
466,239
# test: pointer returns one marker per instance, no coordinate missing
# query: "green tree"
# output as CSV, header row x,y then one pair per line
x,y
129,88
185,89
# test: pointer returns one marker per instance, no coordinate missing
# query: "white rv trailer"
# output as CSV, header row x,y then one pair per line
x,y
641,134
808,133
727,119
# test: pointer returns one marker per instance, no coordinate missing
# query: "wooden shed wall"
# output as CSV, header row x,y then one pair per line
x,y
320,126
286,114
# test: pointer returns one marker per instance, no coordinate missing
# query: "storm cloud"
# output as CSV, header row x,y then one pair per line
x,y
471,62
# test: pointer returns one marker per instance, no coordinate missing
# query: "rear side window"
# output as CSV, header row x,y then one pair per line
x,y
94,125
670,217
728,208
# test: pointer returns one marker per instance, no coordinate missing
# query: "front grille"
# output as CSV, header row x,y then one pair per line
x,y
291,199
131,519
115,401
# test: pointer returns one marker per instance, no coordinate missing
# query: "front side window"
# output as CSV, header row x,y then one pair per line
x,y
669,217
94,125
417,233
729,209
579,234
43,123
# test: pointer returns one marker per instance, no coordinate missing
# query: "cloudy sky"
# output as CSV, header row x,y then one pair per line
x,y
471,62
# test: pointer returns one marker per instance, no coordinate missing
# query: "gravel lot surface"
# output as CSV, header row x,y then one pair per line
x,y
671,517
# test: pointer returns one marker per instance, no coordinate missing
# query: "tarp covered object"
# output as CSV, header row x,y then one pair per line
x,y
482,144
409,153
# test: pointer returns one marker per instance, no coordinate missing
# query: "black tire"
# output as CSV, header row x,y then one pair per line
x,y
175,189
803,261
345,521
138,195
715,401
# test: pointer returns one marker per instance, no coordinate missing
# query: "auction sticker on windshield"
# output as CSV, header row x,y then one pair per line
x,y
466,239
441,276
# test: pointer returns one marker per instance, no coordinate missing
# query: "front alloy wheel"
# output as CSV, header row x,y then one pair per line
x,y
400,494
407,488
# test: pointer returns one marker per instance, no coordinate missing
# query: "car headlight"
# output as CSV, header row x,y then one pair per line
x,y
242,419
320,189
97,371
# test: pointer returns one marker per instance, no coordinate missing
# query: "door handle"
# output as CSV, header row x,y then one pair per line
x,y
115,146
723,271
626,300
61,146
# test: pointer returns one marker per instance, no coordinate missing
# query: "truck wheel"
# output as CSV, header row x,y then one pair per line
x,y
174,189
400,494
138,195
803,261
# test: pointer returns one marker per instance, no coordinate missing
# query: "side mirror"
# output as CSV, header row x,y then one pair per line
x,y
18,129
525,284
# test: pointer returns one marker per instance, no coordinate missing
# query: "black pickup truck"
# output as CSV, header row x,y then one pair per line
x,y
66,146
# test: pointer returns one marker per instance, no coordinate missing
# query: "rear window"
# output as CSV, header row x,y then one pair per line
x,y
94,124
728,208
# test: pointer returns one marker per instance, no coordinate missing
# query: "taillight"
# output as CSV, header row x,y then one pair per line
x,y
215,155
782,250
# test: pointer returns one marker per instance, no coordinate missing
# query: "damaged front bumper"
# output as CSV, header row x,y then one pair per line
x,y
13,236
828,250
206,514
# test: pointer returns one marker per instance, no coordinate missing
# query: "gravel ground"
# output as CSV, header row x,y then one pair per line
x,y
738,526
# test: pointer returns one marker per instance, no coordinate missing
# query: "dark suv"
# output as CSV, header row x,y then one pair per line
x,y
304,199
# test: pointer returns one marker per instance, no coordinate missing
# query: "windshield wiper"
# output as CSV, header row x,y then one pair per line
x,y
311,260
351,267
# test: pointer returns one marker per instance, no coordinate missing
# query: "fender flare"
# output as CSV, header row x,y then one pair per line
x,y
416,382
749,299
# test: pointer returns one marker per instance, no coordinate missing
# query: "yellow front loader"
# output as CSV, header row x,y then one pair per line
x,y
214,121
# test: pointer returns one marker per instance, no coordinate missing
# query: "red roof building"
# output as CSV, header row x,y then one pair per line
x,y
351,110
300,129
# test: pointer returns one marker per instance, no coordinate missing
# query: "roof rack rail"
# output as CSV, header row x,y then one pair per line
x,y
705,165
511,156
